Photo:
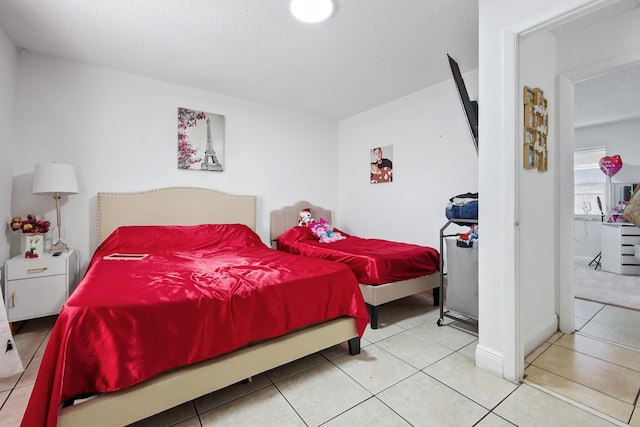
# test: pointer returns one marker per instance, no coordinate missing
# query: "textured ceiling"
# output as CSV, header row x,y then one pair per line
x,y
368,53
607,98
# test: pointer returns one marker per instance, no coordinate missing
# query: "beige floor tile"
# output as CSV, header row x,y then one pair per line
x,y
479,385
43,345
322,393
375,369
290,369
615,324
635,418
265,407
407,321
613,380
13,409
555,337
469,350
28,343
169,417
31,372
227,394
409,312
537,352
383,331
414,349
492,420
370,413
338,350
581,394
587,309
530,407
602,350
423,401
191,422
580,322
6,384
447,336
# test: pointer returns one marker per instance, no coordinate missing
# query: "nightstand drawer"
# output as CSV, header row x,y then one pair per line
x,y
24,268
41,296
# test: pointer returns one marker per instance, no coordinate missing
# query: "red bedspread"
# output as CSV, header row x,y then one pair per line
x,y
374,261
202,291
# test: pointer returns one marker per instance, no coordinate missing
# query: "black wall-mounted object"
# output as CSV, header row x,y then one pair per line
x,y
470,107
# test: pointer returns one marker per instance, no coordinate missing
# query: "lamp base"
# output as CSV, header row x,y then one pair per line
x,y
58,247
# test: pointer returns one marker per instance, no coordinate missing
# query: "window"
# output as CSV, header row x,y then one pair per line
x,y
589,182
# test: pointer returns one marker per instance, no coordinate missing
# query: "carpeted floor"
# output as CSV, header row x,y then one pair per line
x,y
607,288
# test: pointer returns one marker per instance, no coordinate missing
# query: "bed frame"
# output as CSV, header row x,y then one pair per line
x,y
374,295
190,206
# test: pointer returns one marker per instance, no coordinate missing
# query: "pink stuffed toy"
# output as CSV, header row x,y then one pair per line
x,y
325,233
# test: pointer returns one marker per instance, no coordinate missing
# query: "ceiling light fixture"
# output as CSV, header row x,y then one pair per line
x,y
311,10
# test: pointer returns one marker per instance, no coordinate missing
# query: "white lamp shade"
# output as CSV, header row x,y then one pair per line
x,y
51,178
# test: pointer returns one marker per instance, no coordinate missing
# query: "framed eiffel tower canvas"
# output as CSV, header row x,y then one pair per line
x,y
200,140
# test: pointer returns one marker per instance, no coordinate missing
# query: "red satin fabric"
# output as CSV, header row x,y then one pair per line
x,y
203,291
374,261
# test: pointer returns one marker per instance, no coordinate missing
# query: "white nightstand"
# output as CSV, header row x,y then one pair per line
x,y
38,287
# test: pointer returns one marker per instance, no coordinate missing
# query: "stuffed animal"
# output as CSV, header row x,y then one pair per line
x,y
325,233
305,218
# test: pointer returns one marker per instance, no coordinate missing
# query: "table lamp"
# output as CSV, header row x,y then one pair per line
x,y
55,179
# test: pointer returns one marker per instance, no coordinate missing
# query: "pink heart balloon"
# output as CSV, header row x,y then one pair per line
x,y
610,165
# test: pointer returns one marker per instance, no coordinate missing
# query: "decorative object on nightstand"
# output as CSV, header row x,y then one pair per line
x,y
31,240
55,179
39,287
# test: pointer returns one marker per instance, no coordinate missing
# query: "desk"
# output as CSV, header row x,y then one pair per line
x,y
617,243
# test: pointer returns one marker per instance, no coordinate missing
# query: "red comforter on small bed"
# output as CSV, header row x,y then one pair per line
x,y
374,261
201,292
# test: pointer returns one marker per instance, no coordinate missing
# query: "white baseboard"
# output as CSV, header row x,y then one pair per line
x,y
489,360
539,335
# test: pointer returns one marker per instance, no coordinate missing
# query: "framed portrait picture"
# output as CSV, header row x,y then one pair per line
x,y
529,154
529,95
543,163
200,140
381,164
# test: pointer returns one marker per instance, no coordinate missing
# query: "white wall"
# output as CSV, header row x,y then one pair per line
x,y
536,205
433,159
620,137
500,347
8,61
120,132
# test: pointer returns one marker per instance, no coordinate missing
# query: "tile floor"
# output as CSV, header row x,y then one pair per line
x,y
410,372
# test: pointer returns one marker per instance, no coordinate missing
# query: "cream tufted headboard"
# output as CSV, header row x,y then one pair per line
x,y
173,206
287,217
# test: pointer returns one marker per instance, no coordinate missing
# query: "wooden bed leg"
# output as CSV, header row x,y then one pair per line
x,y
354,346
373,315
436,297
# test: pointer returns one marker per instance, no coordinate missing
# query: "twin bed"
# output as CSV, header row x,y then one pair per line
x,y
386,271
203,304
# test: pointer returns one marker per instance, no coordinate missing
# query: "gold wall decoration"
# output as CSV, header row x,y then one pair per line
x,y
535,129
